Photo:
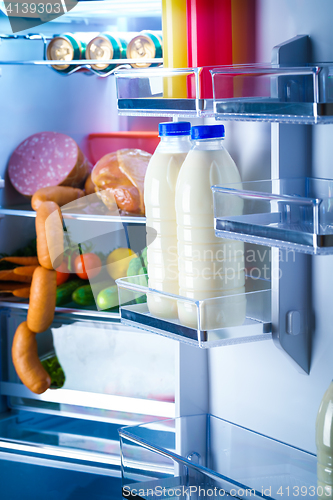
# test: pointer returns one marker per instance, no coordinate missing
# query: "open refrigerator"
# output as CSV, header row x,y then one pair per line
x,y
232,408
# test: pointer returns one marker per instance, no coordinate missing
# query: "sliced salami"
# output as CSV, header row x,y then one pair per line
x,y
47,159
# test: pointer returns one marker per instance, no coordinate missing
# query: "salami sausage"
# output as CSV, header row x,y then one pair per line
x,y
47,159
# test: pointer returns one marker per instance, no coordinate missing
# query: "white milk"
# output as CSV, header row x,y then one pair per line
x,y
209,267
159,198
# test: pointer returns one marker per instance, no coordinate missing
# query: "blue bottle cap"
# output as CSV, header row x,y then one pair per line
x,y
207,132
174,128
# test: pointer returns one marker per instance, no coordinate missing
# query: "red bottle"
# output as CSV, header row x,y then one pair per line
x,y
209,39
219,33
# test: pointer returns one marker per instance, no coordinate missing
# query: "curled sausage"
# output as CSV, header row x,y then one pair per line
x,y
50,239
26,361
59,194
42,300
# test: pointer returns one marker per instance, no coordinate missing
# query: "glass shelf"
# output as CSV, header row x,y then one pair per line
x,y
220,321
99,213
74,312
174,458
295,213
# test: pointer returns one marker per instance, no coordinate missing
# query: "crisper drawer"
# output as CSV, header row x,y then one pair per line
x,y
114,376
110,370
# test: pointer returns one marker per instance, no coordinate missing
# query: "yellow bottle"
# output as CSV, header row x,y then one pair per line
x,y
174,29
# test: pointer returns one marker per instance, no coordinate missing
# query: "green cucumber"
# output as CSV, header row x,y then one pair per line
x,y
83,296
64,291
108,298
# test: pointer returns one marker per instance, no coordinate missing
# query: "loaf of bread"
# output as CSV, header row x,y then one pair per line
x,y
119,179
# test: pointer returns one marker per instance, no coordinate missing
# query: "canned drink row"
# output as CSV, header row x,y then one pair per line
x,y
105,47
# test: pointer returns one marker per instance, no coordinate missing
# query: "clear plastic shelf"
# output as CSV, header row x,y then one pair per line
x,y
299,94
219,321
295,213
201,456
162,92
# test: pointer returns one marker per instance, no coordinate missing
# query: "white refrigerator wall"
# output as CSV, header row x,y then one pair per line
x,y
256,385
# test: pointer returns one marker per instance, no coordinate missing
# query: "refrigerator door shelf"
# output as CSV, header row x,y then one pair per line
x,y
205,456
295,214
223,320
287,93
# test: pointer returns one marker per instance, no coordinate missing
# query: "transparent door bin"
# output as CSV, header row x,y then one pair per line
x,y
267,92
221,320
162,92
295,214
202,456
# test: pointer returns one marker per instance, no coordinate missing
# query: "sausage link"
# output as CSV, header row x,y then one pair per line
x,y
50,238
59,194
26,361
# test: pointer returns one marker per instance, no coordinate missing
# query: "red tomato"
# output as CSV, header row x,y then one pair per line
x,y
87,262
62,273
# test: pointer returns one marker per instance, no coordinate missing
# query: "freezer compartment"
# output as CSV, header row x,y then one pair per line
x,y
275,93
295,214
238,316
107,368
204,456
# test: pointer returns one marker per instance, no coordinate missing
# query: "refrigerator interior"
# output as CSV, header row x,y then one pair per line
x,y
254,385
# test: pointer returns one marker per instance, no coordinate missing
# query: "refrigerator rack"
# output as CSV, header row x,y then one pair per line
x,y
80,64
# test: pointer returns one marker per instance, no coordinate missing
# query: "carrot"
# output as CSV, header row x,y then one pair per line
x,y
42,300
24,261
9,275
24,293
24,270
9,286
26,361
50,239
59,194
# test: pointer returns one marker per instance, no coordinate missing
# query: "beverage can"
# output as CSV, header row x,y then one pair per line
x,y
146,45
66,47
105,47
